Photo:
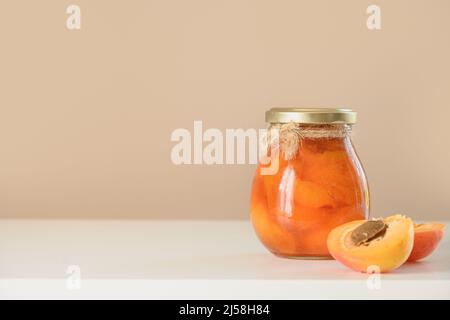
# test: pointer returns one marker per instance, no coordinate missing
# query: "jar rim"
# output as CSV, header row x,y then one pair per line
x,y
311,115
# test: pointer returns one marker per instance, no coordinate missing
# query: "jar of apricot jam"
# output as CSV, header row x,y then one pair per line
x,y
318,183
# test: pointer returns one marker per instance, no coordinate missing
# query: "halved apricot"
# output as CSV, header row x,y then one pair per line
x,y
381,245
426,239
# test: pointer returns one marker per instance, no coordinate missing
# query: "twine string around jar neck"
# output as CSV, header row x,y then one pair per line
x,y
287,137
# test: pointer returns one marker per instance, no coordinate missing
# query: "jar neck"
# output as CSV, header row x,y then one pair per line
x,y
287,137
312,131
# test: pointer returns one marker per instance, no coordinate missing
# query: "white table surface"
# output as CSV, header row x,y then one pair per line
x,y
186,260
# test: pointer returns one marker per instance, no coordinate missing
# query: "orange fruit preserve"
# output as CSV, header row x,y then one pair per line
x,y
321,186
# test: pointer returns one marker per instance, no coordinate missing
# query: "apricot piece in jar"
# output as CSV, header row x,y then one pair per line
x,y
270,232
310,194
365,245
272,183
426,239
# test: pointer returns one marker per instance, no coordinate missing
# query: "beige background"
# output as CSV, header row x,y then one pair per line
x,y
86,115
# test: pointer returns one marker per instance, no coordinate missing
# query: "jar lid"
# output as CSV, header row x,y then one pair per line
x,y
311,115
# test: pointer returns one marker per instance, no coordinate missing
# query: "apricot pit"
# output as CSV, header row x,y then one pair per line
x,y
368,231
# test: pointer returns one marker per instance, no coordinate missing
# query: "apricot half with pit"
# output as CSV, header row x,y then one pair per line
x,y
426,239
373,245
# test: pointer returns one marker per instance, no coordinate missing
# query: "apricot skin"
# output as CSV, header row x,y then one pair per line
x,y
381,255
426,240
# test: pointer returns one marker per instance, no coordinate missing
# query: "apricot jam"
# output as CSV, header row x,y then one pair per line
x,y
319,185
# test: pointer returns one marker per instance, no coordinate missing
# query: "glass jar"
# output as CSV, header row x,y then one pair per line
x,y
319,182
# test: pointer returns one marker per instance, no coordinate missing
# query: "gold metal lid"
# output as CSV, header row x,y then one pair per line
x,y
311,115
